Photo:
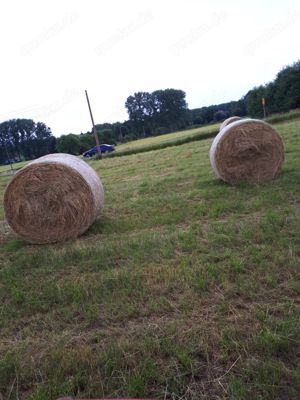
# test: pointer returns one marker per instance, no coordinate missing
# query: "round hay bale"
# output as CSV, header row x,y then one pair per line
x,y
229,121
54,198
247,151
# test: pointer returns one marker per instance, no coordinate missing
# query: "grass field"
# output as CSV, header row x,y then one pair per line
x,y
145,142
15,166
185,288
166,138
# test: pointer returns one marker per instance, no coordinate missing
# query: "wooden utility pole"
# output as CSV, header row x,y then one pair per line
x,y
7,155
94,127
263,102
121,134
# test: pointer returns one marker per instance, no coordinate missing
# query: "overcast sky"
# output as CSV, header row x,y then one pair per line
x,y
51,51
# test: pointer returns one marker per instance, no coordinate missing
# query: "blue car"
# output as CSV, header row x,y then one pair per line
x,y
103,148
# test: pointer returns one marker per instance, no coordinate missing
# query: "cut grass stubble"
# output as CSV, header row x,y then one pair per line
x,y
184,288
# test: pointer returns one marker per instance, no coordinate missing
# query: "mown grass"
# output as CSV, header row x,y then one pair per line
x,y
289,116
187,136
184,288
172,139
153,140
164,144
15,166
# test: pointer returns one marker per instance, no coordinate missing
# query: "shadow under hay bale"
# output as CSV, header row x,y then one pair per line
x,y
229,121
248,151
54,198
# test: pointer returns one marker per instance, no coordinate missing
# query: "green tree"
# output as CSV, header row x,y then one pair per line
x,y
87,141
170,108
220,115
162,109
140,108
107,136
25,139
253,101
69,144
281,95
44,142
285,90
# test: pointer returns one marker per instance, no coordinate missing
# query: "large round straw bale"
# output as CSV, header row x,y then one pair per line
x,y
229,121
53,198
248,150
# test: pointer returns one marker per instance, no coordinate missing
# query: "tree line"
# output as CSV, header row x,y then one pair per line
x,y
154,113
164,111
24,139
281,95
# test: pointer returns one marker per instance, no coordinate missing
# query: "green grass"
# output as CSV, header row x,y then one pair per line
x,y
185,288
154,140
173,139
202,135
289,116
182,137
15,166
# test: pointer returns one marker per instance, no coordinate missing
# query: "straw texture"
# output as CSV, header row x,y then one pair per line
x,y
229,121
54,198
248,150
